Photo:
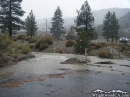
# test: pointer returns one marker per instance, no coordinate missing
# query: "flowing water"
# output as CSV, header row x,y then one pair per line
x,y
42,64
80,84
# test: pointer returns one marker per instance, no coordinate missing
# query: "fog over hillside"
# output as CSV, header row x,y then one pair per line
x,y
125,21
98,16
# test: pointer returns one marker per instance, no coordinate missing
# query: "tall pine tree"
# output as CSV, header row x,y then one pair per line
x,y
115,27
30,24
85,27
106,26
57,23
85,19
9,15
110,26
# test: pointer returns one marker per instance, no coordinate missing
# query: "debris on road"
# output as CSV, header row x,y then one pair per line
x,y
105,62
98,72
74,61
125,65
63,69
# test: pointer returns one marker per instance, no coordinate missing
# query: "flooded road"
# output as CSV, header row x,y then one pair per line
x,y
40,65
44,76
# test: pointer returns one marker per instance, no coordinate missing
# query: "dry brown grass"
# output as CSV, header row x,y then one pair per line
x,y
69,43
104,54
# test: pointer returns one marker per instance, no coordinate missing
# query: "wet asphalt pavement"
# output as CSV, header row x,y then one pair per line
x,y
79,81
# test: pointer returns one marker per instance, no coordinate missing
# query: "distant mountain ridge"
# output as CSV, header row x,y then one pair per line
x,y
98,16
124,21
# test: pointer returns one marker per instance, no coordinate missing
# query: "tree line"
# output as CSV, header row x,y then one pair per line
x,y
11,11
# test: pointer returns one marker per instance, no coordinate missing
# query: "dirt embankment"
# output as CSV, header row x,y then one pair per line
x,y
5,61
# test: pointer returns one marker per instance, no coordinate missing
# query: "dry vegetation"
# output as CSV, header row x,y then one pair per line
x,y
69,43
104,54
18,48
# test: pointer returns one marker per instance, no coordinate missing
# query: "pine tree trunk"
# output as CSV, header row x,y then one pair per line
x,y
116,38
112,37
10,28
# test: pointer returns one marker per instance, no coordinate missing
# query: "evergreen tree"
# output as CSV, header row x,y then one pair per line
x,y
110,26
71,34
99,30
107,26
10,12
82,41
30,24
114,27
57,23
85,19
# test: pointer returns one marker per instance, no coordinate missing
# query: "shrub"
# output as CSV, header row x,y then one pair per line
x,y
21,37
43,43
104,54
31,46
31,40
69,43
37,44
70,37
5,41
19,47
27,38
97,45
25,49
14,38
49,40
43,46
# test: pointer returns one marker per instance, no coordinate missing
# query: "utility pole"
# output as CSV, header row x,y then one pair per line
x,y
46,26
10,21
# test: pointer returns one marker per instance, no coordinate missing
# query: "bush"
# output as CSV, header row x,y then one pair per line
x,y
37,44
97,45
19,47
69,43
25,49
31,40
43,46
104,54
5,41
43,43
21,37
70,37
49,40
14,38
27,38
31,46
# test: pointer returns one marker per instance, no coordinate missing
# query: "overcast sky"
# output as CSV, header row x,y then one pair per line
x,y
46,8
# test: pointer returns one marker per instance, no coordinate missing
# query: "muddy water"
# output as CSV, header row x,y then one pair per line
x,y
40,65
45,63
79,84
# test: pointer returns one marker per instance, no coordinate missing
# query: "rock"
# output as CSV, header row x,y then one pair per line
x,y
105,62
73,61
5,61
